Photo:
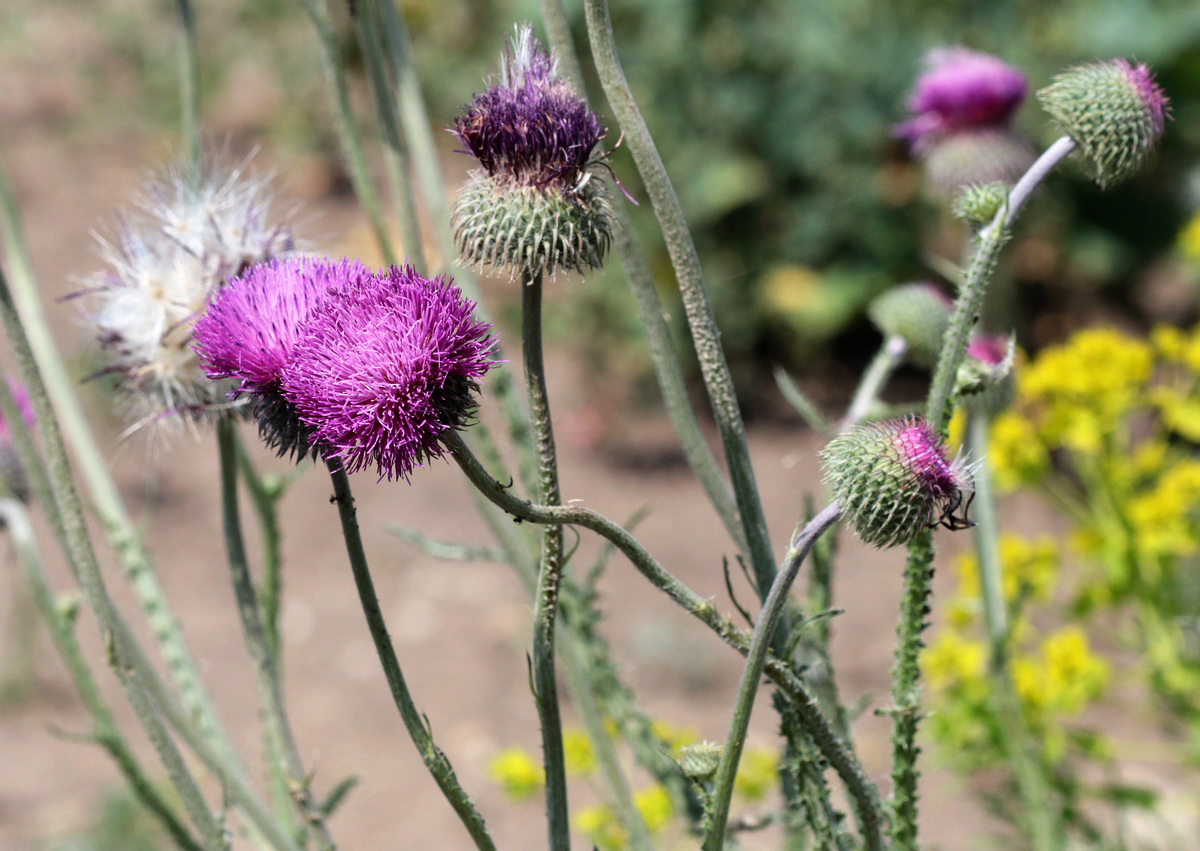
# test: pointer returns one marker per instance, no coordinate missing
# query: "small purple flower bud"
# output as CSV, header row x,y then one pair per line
x,y
894,478
12,472
387,365
984,381
250,328
1114,111
961,89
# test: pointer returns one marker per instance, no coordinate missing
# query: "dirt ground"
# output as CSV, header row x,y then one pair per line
x,y
462,630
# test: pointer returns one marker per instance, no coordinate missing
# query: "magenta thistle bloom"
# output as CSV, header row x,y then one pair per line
x,y
250,328
960,90
990,349
530,126
895,478
389,363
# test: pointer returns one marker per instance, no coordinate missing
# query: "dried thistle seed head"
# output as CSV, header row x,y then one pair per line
x,y
1115,112
916,313
516,228
539,202
894,478
961,90
389,363
185,239
978,203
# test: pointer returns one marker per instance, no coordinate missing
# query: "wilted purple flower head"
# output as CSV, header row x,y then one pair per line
x,y
961,89
530,126
990,349
386,366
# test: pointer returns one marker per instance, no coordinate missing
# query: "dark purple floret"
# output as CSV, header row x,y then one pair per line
x,y
530,126
386,367
961,89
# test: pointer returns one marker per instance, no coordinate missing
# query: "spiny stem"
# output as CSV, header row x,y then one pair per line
x,y
291,770
839,754
435,760
545,601
756,657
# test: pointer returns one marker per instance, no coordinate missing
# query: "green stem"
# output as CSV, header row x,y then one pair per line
x,y
841,758
918,574
663,354
348,130
396,155
878,372
1036,793
106,499
550,567
266,505
435,760
189,90
105,732
290,770
56,491
768,620
702,324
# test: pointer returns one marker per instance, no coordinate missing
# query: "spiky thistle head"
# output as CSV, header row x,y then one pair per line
x,y
917,314
1115,112
249,330
894,479
538,202
978,203
181,243
387,365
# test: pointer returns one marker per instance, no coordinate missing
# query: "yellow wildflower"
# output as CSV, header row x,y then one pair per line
x,y
577,753
952,661
1016,454
517,773
1074,676
757,773
1180,411
1028,566
656,807
1027,678
676,738
600,825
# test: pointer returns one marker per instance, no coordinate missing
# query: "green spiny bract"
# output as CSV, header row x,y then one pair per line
x,y
978,203
894,479
511,227
916,313
1113,110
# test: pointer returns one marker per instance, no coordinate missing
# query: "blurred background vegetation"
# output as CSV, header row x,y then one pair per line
x,y
774,118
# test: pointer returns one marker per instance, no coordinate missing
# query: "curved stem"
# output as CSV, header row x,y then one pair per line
x,y
550,568
701,322
105,497
756,657
291,770
266,506
663,354
189,89
840,756
348,131
435,760
105,733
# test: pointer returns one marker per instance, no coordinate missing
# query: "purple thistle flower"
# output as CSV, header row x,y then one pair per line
x,y
961,90
251,324
1149,92
990,349
922,453
530,126
389,363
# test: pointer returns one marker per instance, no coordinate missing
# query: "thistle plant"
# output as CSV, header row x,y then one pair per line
x,y
208,316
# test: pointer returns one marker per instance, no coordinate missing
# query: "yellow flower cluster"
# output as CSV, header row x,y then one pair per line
x,y
600,824
517,773
757,774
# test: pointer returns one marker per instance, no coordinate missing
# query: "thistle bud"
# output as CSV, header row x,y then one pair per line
x,y
916,313
894,478
700,761
538,202
978,203
1114,111
984,380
